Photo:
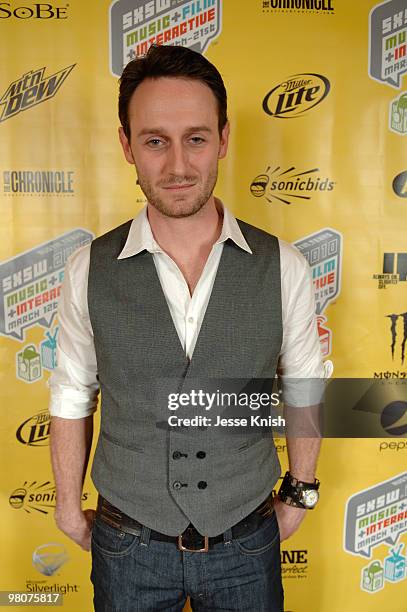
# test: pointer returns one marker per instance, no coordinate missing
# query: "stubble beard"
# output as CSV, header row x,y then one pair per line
x,y
181,207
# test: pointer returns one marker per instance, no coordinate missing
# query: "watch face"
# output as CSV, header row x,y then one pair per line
x,y
310,497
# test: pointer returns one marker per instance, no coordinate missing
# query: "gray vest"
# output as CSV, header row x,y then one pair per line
x,y
166,477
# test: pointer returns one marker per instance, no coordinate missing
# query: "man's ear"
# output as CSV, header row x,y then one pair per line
x,y
224,140
126,146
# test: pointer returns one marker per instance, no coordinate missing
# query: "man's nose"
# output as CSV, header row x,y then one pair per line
x,y
177,159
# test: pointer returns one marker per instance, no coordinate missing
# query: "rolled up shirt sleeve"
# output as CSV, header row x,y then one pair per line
x,y
301,369
74,385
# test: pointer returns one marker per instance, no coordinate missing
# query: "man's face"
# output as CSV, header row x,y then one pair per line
x,y
175,143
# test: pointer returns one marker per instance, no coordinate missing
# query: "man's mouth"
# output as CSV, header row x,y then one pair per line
x,y
179,187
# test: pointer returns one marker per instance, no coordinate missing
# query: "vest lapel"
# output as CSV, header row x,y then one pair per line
x,y
225,292
155,302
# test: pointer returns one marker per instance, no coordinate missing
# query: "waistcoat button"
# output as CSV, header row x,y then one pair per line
x,y
201,454
176,455
202,484
176,485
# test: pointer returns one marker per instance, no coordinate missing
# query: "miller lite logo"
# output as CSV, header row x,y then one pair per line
x,y
296,95
35,430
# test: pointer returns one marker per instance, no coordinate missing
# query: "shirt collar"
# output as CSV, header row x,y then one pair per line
x,y
141,238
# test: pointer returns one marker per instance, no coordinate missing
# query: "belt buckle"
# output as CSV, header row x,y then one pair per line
x,y
181,546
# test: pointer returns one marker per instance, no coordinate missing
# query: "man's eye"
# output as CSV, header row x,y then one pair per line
x,y
197,140
155,142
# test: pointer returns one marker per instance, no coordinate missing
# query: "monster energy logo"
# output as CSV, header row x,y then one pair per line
x,y
393,330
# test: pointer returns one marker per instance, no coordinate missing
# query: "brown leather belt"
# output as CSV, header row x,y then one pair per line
x,y
190,540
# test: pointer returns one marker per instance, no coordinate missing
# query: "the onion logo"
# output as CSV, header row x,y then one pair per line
x,y
298,94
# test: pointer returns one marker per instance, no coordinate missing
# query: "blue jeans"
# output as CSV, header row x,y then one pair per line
x,y
137,574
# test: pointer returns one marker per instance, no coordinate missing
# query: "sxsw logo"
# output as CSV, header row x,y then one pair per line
x,y
135,25
387,42
31,89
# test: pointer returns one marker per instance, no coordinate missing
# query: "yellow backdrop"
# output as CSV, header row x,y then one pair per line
x,y
318,111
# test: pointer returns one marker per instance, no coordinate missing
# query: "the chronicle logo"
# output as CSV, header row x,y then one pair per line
x,y
38,182
288,185
34,11
400,185
135,25
319,7
31,89
40,497
387,42
296,95
35,430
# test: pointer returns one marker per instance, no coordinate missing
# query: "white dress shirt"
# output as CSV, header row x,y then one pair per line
x,y
74,385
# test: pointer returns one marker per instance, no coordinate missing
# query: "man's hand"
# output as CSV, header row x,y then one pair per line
x,y
78,527
289,518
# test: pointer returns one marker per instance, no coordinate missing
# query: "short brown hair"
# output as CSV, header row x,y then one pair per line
x,y
169,61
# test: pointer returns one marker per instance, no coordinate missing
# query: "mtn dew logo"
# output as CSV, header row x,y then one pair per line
x,y
31,89
135,25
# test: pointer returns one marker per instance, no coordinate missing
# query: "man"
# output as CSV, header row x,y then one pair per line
x,y
183,291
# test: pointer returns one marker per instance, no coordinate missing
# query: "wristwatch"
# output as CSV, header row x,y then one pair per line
x,y
297,493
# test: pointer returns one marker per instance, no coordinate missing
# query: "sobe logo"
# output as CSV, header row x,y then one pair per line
x,y
34,11
296,95
135,25
31,89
